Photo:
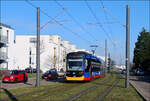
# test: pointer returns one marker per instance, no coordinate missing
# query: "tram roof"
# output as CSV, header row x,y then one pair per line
x,y
88,56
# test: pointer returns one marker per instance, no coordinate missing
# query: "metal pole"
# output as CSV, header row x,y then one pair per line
x,y
127,45
38,49
105,57
30,60
109,62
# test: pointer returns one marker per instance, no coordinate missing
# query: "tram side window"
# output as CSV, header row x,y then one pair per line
x,y
87,66
96,66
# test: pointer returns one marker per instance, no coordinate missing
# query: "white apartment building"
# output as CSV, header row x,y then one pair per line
x,y
52,51
6,47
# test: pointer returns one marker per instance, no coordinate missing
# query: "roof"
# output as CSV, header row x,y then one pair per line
x,y
7,26
88,56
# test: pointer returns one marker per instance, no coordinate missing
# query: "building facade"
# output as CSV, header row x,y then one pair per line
x,y
6,47
52,52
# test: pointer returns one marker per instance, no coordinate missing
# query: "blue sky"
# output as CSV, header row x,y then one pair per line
x,y
22,17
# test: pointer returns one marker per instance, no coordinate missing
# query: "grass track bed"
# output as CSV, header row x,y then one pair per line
x,y
120,93
73,91
62,91
94,94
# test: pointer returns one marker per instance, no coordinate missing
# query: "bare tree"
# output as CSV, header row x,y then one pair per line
x,y
42,46
49,62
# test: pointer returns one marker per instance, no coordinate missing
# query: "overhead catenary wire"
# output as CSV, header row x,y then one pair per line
x,y
64,27
51,19
109,28
100,25
90,34
114,18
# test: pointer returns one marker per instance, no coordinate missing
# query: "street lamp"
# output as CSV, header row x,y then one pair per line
x,y
94,46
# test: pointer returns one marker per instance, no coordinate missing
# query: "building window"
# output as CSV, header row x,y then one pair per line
x,y
0,30
7,34
50,39
32,40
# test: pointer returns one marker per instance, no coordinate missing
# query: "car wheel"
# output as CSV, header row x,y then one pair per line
x,y
26,79
16,80
56,77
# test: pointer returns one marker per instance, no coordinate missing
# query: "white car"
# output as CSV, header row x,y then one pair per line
x,y
140,72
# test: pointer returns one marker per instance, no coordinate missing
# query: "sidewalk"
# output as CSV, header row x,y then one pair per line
x,y
142,85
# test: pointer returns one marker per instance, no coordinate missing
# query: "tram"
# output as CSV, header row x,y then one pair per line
x,y
82,66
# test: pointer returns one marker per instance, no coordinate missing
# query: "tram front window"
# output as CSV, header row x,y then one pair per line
x,y
75,65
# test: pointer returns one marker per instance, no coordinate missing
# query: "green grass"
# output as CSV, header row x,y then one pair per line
x,y
75,90
120,93
31,75
94,94
18,91
64,91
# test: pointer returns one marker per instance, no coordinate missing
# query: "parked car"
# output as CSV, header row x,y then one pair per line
x,y
123,71
50,74
15,76
61,74
139,72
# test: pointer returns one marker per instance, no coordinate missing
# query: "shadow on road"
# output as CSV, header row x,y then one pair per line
x,y
10,95
63,80
28,83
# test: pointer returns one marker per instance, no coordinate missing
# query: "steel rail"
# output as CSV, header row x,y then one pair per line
x,y
56,91
27,93
108,90
66,88
88,89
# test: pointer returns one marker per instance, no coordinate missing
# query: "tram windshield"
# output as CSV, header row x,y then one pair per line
x,y
75,65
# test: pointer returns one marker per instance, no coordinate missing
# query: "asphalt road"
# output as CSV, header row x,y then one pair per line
x,y
31,82
142,84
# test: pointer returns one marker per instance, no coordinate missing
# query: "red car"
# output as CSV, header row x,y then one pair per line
x,y
51,74
15,76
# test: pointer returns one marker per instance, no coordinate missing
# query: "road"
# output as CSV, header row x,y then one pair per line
x,y
31,82
142,85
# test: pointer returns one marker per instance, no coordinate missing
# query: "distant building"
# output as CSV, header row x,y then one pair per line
x,y
6,47
52,52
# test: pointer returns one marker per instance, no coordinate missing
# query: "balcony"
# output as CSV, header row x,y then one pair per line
x,y
3,55
3,39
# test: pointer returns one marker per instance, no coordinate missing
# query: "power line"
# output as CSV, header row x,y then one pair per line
x,y
116,19
60,5
106,17
54,18
100,25
64,27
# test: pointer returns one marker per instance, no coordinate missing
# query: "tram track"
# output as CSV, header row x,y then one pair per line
x,y
75,97
62,90
108,89
65,87
27,93
88,89
56,89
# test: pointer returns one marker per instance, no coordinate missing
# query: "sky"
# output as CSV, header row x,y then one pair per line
x,y
83,23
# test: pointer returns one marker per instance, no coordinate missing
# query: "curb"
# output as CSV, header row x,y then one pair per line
x,y
138,91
